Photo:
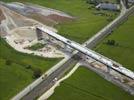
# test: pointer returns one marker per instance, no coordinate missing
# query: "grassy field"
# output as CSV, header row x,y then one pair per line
x,y
36,46
14,71
87,85
86,23
124,51
82,28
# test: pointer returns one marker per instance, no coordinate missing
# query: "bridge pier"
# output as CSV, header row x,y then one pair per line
x,y
68,48
108,69
39,34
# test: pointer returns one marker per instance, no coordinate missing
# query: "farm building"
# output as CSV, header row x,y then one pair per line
x,y
108,6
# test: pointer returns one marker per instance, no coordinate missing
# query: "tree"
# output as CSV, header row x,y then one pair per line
x,y
37,72
28,67
94,2
8,62
111,42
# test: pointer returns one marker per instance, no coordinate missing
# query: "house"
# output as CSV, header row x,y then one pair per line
x,y
108,6
131,1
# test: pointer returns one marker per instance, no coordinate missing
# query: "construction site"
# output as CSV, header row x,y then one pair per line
x,y
30,29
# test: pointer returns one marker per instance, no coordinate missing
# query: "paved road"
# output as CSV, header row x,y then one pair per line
x,y
48,82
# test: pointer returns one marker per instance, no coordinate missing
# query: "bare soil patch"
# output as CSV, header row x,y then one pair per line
x,y
2,17
44,15
58,18
43,19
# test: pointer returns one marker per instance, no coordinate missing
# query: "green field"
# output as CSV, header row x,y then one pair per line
x,y
87,85
85,25
36,46
82,28
14,71
124,51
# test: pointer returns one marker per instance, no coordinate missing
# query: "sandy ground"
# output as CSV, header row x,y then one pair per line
x,y
14,20
17,28
52,53
19,34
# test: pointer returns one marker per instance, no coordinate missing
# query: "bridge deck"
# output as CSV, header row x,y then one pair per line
x,y
89,53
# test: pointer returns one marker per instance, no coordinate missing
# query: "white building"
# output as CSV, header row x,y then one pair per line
x,y
108,6
131,1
